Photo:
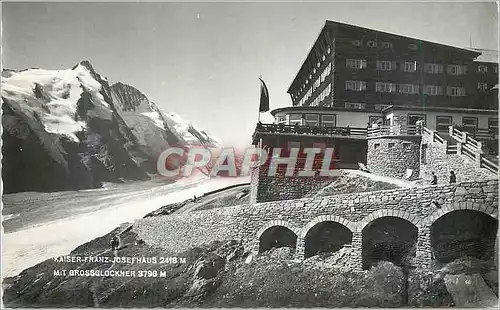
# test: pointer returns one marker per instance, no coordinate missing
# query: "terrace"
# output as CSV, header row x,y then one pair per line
x,y
355,133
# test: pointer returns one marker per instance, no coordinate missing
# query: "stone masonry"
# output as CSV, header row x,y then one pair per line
x,y
282,187
435,159
392,155
419,206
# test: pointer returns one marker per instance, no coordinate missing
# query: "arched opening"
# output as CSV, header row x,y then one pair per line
x,y
326,237
463,233
277,237
389,239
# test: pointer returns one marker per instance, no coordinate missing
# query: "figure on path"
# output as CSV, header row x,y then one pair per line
x,y
115,243
453,177
434,179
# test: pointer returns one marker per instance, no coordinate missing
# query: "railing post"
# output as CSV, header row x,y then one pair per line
x,y
478,159
480,147
464,137
459,148
450,131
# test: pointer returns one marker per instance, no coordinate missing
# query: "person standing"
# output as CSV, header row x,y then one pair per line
x,y
115,243
434,179
453,177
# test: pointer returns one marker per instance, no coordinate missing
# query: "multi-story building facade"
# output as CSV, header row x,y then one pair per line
x,y
355,68
354,77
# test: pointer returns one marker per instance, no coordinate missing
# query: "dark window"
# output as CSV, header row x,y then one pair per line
x,y
469,124
390,145
312,119
413,47
413,118
328,120
493,125
375,146
442,123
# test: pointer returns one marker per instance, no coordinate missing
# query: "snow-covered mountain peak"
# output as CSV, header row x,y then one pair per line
x,y
81,131
52,95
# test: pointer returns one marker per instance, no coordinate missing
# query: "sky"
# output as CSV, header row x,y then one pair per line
x,y
203,60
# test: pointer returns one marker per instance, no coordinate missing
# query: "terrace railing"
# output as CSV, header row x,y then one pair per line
x,y
471,148
395,130
310,130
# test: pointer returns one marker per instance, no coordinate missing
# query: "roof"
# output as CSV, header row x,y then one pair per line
x,y
440,109
486,55
329,23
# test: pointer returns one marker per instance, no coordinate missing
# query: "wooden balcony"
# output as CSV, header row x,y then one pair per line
x,y
300,130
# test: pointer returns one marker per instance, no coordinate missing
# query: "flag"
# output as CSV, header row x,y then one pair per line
x,y
264,97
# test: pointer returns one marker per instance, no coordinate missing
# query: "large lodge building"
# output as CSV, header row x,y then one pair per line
x,y
354,77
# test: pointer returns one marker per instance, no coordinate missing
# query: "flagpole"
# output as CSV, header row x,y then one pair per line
x,y
260,139
259,93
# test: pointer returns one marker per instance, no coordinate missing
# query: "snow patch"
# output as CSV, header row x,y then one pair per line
x,y
155,117
57,108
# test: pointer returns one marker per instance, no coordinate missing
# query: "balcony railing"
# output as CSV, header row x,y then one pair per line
x,y
310,130
395,130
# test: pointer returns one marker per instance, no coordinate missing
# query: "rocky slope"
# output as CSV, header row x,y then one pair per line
x,y
70,129
220,274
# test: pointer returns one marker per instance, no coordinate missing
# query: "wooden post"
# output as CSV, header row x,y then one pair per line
x,y
459,148
464,137
478,159
450,131
480,147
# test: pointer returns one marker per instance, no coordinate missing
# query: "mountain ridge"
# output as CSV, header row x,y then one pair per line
x,y
70,129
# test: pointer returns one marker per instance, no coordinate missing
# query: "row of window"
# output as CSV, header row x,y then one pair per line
x,y
325,120
322,76
456,91
324,94
317,83
443,122
329,120
411,66
372,43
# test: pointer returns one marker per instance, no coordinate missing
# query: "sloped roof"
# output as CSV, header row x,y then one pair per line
x,y
486,55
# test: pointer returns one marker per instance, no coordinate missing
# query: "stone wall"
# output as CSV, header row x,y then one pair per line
x,y
420,206
436,160
281,187
254,184
392,155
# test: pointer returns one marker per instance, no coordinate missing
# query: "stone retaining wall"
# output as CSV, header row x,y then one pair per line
x,y
282,187
436,160
392,155
420,206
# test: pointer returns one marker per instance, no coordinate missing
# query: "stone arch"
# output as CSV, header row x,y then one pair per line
x,y
276,234
486,209
277,223
387,212
326,237
457,233
327,218
388,238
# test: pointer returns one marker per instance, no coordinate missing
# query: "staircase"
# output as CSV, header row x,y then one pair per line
x,y
458,142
